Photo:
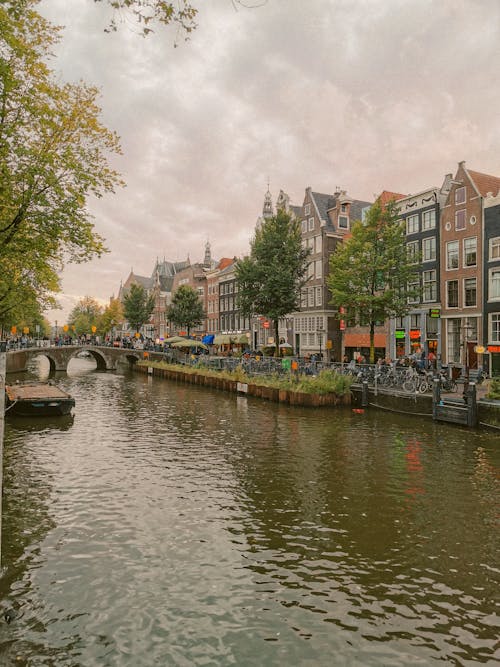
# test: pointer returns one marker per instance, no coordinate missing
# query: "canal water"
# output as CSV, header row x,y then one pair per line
x,y
167,524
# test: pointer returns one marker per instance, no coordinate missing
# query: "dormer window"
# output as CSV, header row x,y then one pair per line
x,y
307,209
343,221
460,195
343,208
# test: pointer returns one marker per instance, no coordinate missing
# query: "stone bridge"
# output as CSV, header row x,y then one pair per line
x,y
59,357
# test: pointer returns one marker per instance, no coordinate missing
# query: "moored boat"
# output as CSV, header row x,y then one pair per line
x,y
30,399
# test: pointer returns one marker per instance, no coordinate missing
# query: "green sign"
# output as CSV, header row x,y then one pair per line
x,y
434,312
400,333
286,364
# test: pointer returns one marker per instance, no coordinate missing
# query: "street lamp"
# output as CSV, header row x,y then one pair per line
x,y
321,332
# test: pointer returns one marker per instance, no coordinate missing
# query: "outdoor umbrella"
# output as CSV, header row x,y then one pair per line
x,y
174,339
190,343
286,345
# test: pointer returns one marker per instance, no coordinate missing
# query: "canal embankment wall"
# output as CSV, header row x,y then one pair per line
x,y
417,405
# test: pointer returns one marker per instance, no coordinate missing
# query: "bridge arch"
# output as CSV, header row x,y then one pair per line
x,y
59,357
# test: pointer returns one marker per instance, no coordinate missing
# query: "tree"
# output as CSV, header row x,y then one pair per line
x,y
186,310
371,273
271,278
52,159
137,306
112,317
85,315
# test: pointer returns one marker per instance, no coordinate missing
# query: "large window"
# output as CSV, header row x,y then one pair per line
x,y
460,220
460,195
429,249
311,224
413,251
452,255
470,291
307,209
495,248
429,283
494,285
470,251
414,288
304,226
453,340
319,294
318,243
495,328
412,224
343,222
428,220
452,293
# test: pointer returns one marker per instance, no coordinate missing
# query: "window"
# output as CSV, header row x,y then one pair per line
x,y
495,328
452,255
460,196
343,222
452,293
304,226
319,296
318,243
470,291
432,327
319,268
428,220
415,321
494,285
414,288
311,224
310,270
470,247
399,322
460,220
429,249
453,339
343,208
310,296
412,224
413,251
495,248
430,285
307,209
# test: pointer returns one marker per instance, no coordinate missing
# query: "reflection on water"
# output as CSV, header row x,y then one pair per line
x,y
176,525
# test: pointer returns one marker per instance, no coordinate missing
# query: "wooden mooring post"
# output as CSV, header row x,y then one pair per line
x,y
455,411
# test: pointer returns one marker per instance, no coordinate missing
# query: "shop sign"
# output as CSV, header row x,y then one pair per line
x,y
493,348
342,325
400,333
434,312
265,325
415,334
479,349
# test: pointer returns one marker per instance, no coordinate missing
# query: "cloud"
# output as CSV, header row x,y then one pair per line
x,y
364,95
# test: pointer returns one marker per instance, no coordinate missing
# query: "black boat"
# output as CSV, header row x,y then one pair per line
x,y
30,399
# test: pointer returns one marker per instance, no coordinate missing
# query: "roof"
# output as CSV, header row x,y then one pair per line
x,y
485,183
386,196
323,203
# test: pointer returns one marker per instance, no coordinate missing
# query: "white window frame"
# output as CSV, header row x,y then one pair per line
x,y
429,219
454,280
494,317
457,244
492,279
319,296
318,270
413,251
467,280
307,209
343,218
459,191
304,226
461,227
311,224
318,243
432,255
412,224
464,251
494,252
429,279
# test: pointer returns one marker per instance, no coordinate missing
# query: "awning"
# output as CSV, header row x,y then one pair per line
x,y
223,339
208,339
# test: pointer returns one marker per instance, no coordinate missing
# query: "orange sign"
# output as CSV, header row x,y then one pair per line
x,y
94,329
26,330
13,330
493,348
414,334
65,327
265,325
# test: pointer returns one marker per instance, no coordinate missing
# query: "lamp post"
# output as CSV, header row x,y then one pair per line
x,y
466,329
321,332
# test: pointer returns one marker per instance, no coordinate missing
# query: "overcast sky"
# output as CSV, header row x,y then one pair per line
x,y
366,95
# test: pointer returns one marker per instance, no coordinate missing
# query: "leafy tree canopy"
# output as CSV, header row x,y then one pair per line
x,y
85,315
112,316
186,310
371,272
53,152
271,278
137,306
